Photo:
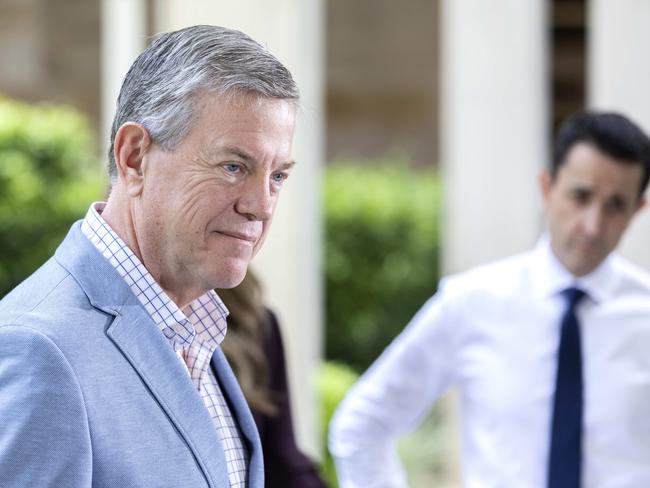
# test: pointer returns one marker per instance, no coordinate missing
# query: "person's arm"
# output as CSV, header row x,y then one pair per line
x,y
392,396
44,435
285,465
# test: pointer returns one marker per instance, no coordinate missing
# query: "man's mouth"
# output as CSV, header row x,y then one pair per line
x,y
242,236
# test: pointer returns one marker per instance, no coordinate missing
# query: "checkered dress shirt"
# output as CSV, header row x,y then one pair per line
x,y
194,333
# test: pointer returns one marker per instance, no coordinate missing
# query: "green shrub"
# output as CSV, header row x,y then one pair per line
x,y
333,383
381,255
48,177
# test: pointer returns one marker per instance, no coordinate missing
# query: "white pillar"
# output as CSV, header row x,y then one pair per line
x,y
619,79
493,134
494,118
123,37
289,263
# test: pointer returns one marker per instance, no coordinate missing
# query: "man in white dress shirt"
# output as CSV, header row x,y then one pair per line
x,y
497,332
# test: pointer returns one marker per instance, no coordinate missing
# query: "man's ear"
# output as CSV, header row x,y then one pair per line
x,y
130,146
545,182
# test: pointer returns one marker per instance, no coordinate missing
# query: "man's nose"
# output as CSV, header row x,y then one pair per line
x,y
256,201
593,220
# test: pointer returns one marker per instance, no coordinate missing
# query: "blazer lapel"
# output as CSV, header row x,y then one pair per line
x,y
241,411
147,350
153,359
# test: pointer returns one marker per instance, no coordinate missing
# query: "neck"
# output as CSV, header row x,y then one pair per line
x,y
184,296
121,216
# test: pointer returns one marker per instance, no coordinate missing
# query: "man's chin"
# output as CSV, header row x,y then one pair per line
x,y
230,275
233,282
585,265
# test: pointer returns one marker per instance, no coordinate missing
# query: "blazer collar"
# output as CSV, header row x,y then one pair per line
x,y
104,287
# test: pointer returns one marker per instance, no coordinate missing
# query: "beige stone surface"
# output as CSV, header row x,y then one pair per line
x,y
49,51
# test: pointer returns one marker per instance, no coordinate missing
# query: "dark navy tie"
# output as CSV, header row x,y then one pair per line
x,y
566,432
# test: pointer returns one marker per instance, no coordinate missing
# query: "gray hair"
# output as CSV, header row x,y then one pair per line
x,y
159,90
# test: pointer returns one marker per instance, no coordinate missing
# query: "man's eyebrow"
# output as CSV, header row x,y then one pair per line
x,y
239,153
250,159
288,165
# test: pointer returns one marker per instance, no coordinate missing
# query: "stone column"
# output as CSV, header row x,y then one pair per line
x,y
619,79
493,135
493,127
289,263
123,37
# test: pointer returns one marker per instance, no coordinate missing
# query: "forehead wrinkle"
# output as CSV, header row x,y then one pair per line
x,y
239,153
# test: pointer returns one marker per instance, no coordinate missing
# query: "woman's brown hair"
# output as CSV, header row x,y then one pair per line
x,y
244,342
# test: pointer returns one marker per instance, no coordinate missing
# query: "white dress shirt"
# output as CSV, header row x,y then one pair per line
x,y
493,332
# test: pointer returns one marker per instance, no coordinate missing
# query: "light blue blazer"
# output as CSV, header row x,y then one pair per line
x,y
91,393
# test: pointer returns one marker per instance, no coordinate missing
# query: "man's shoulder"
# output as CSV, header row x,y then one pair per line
x,y
33,290
53,299
634,278
503,275
50,293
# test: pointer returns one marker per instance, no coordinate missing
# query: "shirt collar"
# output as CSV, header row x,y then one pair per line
x,y
552,277
204,318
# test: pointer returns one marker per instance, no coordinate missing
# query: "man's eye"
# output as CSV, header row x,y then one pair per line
x,y
232,167
580,196
279,177
616,205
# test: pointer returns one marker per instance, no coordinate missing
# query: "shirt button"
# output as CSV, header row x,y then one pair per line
x,y
183,331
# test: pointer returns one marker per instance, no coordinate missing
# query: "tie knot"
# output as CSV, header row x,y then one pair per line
x,y
573,296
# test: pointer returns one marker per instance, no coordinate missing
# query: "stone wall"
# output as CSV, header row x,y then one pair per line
x,y
49,51
381,78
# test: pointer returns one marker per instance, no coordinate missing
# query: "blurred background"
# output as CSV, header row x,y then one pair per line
x,y
423,127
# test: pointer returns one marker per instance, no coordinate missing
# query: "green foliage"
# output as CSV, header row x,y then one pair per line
x,y
425,451
333,382
48,177
381,255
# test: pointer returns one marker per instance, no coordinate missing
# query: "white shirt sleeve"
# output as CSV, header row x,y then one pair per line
x,y
392,396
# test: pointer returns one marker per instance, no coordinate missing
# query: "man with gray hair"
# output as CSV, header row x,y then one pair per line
x,y
110,367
